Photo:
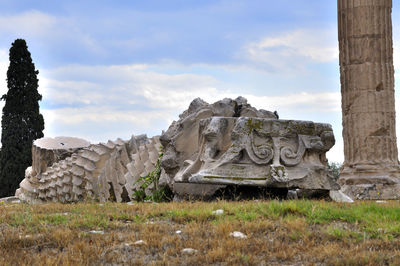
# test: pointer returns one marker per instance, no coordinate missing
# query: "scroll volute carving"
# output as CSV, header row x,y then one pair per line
x,y
292,151
261,151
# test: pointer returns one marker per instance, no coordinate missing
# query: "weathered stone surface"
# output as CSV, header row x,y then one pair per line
x,y
84,171
211,146
46,151
231,143
218,212
238,235
189,251
371,168
12,199
181,140
339,196
261,152
142,163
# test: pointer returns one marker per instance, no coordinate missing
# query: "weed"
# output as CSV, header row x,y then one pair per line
x,y
144,192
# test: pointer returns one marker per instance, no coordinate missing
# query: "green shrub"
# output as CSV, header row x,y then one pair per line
x,y
334,168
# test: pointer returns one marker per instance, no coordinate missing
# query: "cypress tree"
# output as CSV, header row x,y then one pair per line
x,y
22,122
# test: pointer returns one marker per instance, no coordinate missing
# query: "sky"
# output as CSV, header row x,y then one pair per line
x,y
112,69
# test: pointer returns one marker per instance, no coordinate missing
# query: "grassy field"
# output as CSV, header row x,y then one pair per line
x,y
278,233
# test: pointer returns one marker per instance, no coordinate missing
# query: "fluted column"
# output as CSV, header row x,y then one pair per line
x,y
371,168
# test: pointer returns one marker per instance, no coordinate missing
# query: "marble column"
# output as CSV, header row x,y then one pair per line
x,y
371,168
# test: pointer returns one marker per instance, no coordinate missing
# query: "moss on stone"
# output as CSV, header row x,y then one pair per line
x,y
253,124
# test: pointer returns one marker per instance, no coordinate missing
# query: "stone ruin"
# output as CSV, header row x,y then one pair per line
x,y
231,143
210,147
68,169
371,168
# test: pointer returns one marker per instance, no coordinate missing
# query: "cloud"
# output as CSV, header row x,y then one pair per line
x,y
302,101
59,35
3,55
29,23
106,102
396,54
336,153
98,124
3,74
122,85
294,49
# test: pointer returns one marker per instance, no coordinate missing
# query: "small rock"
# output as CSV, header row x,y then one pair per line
x,y
292,195
101,204
178,232
218,212
97,232
339,196
177,198
130,203
12,199
381,201
31,236
189,251
140,243
237,234
120,237
126,247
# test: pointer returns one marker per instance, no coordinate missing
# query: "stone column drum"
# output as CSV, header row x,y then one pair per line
x,y
371,168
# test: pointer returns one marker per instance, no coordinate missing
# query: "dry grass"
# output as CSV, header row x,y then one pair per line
x,y
279,233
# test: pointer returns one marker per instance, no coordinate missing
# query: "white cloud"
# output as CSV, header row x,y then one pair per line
x,y
70,92
105,102
120,86
3,74
3,55
30,23
110,98
134,94
294,49
302,101
336,153
98,124
49,30
83,115
396,55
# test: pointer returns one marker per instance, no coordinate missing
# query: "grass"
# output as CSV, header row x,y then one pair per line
x,y
278,232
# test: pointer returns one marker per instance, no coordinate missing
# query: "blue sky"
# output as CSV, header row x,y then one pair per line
x,y
111,69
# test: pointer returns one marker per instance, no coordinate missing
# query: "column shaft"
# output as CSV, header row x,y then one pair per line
x,y
367,86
